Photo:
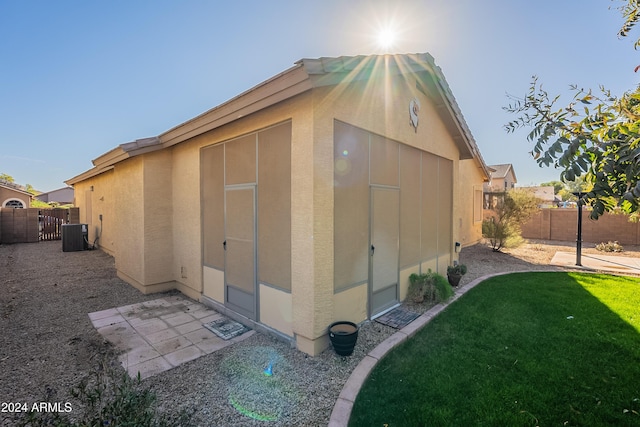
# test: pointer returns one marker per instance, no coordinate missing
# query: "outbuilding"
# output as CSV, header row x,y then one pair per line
x,y
307,199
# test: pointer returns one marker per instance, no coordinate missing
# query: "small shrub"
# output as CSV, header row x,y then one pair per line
x,y
416,287
419,287
443,289
430,287
110,398
503,228
610,247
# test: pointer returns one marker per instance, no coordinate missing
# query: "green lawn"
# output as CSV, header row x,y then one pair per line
x,y
526,349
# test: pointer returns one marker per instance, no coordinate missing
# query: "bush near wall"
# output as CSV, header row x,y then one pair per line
x,y
562,225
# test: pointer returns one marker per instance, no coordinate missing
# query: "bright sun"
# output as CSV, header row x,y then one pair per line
x,y
386,38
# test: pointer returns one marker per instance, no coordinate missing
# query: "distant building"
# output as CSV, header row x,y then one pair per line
x,y
546,194
503,178
62,196
14,195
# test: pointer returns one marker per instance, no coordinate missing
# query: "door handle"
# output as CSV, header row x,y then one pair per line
x,y
373,249
224,245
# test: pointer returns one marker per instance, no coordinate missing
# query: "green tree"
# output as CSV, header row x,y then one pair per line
x,y
557,186
596,137
630,10
514,208
5,177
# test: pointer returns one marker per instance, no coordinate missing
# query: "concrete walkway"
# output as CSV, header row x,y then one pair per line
x,y
160,334
591,262
342,409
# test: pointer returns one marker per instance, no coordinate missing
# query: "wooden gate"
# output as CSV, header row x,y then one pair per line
x,y
32,224
50,223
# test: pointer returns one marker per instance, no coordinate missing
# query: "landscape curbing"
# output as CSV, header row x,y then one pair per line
x,y
343,406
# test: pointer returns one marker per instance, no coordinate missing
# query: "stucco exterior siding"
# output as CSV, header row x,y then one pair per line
x,y
186,237
468,204
158,218
302,227
429,264
276,309
322,218
213,284
351,304
297,111
102,196
129,231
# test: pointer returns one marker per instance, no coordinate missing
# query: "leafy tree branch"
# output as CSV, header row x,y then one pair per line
x,y
595,138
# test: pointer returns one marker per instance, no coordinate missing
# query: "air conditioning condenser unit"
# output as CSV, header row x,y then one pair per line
x,y
75,237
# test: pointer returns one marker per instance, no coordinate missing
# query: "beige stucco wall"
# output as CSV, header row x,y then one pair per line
x,y
351,304
187,243
367,111
213,284
102,202
186,236
469,229
158,218
129,232
382,109
276,309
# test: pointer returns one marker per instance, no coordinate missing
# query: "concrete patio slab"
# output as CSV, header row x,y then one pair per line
x,y
160,334
184,355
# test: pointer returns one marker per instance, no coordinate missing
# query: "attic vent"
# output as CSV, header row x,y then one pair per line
x,y
420,88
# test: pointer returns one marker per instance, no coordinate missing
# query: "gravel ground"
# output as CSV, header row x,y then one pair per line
x,y
48,344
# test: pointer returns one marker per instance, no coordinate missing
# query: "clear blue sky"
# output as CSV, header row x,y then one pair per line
x,y
78,78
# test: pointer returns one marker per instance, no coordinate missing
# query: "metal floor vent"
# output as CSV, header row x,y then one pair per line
x,y
397,318
226,328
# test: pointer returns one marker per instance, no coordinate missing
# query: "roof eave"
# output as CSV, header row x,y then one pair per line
x,y
285,85
303,76
26,193
88,174
451,115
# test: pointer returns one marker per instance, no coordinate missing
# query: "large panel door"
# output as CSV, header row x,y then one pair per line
x,y
384,232
240,250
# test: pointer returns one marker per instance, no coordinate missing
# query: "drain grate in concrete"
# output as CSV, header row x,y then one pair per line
x,y
226,328
397,318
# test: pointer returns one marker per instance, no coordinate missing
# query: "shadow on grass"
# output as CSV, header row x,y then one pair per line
x,y
521,349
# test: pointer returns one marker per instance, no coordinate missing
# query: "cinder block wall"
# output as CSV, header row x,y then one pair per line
x,y
562,225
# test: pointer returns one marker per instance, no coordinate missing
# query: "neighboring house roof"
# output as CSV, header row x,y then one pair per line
x,y
501,171
15,187
305,75
546,193
61,195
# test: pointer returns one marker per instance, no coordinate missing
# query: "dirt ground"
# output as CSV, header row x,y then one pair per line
x,y
532,255
48,344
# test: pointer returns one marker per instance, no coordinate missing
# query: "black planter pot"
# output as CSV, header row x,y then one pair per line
x,y
454,279
343,336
